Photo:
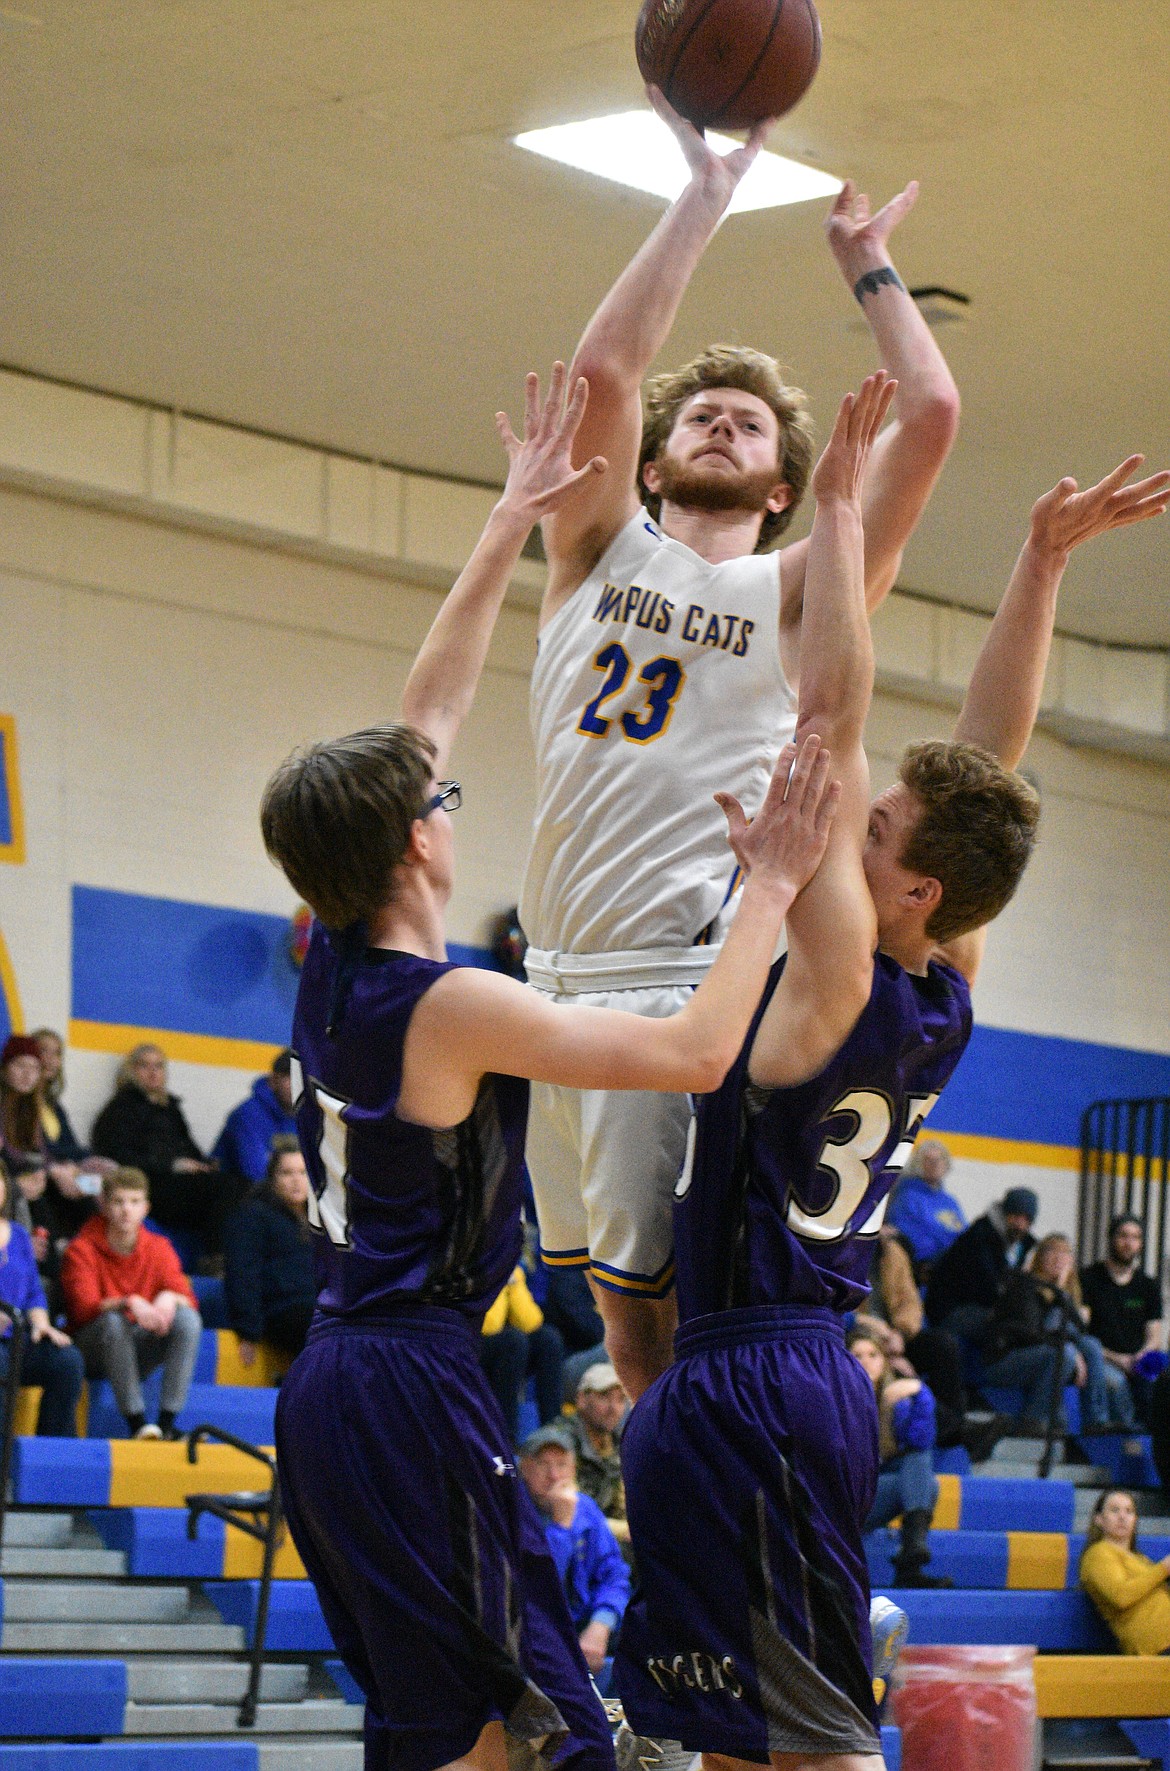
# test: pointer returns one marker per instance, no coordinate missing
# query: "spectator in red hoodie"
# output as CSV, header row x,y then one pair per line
x,y
130,1305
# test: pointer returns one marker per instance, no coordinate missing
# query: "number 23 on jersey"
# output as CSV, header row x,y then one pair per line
x,y
663,678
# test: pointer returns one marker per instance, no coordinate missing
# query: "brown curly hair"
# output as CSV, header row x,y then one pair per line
x,y
975,835
733,365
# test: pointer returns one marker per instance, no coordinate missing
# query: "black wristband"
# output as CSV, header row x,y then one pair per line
x,y
872,281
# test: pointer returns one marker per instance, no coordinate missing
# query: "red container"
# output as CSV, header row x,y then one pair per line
x,y
966,1709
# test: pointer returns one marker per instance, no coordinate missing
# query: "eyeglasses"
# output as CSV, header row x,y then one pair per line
x,y
449,796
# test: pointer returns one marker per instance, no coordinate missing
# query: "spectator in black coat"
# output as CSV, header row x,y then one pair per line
x,y
144,1127
968,1278
268,1259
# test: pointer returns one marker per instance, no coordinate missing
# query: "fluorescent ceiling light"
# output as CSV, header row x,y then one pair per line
x,y
636,148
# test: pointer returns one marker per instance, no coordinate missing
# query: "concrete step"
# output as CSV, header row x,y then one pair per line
x,y
312,1716
328,1754
1023,1465
90,1601
117,1639
43,1559
212,1681
22,1529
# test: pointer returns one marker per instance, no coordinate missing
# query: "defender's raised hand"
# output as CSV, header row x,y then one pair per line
x,y
1064,517
860,416
858,240
785,841
541,474
717,173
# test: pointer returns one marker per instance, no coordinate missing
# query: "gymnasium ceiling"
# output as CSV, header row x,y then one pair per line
x,y
306,216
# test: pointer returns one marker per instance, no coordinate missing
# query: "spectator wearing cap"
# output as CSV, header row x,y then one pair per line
x,y
1125,1305
245,1143
589,1561
921,1209
967,1279
595,1433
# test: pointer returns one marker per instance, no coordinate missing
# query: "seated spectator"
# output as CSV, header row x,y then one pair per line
x,y
143,1127
906,1484
50,1359
268,1258
40,1211
893,1316
967,1278
921,1210
64,1146
595,1433
589,1561
1128,1589
24,1143
130,1305
1125,1304
516,1344
1038,1312
244,1144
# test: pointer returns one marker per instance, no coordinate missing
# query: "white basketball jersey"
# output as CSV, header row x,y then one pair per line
x,y
657,684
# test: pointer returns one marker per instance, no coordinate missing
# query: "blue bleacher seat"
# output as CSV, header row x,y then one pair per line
x,y
1058,1622
212,1300
249,1413
60,1472
973,1559
137,1755
892,1747
61,1696
953,1461
154,1541
1016,1503
295,1623
1150,1737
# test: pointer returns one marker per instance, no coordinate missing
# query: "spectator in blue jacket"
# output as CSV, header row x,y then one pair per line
x,y
592,1569
906,1483
50,1358
922,1210
268,1261
243,1145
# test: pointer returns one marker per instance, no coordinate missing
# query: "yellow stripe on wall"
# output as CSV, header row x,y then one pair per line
x,y
1014,1150
185,1048
14,850
10,989
1037,1561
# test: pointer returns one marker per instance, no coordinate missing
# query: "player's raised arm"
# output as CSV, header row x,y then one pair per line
x,y
443,680
472,1022
620,343
907,459
832,927
1003,697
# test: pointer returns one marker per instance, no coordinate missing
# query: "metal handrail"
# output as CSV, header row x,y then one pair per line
x,y
243,1511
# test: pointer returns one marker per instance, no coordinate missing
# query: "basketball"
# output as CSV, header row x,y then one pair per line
x,y
729,63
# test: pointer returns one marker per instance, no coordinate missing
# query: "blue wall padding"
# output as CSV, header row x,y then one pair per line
x,y
892,1747
155,1543
61,1472
139,1755
62,1696
1034,1087
246,1411
345,1681
207,1358
1060,1623
971,1558
1150,1736
1016,1503
954,1460
295,1623
212,1300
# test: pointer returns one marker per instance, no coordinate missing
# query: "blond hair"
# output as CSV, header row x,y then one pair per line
x,y
1056,1239
733,365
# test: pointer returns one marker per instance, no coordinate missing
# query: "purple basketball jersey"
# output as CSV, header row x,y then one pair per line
x,y
787,1188
404,1215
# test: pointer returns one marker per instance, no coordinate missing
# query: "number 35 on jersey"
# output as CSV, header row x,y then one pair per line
x,y
846,1155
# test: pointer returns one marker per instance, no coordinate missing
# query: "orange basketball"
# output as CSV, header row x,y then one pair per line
x,y
729,63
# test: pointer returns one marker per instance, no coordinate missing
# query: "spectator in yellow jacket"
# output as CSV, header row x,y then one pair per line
x,y
1128,1589
517,1344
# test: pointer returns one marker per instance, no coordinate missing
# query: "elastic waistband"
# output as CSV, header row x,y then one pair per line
x,y
764,1322
416,1321
579,974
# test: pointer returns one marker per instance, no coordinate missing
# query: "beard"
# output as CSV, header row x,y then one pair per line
x,y
691,487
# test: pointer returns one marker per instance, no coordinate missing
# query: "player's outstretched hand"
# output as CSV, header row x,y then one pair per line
x,y
541,474
785,841
841,469
1064,517
717,174
858,240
